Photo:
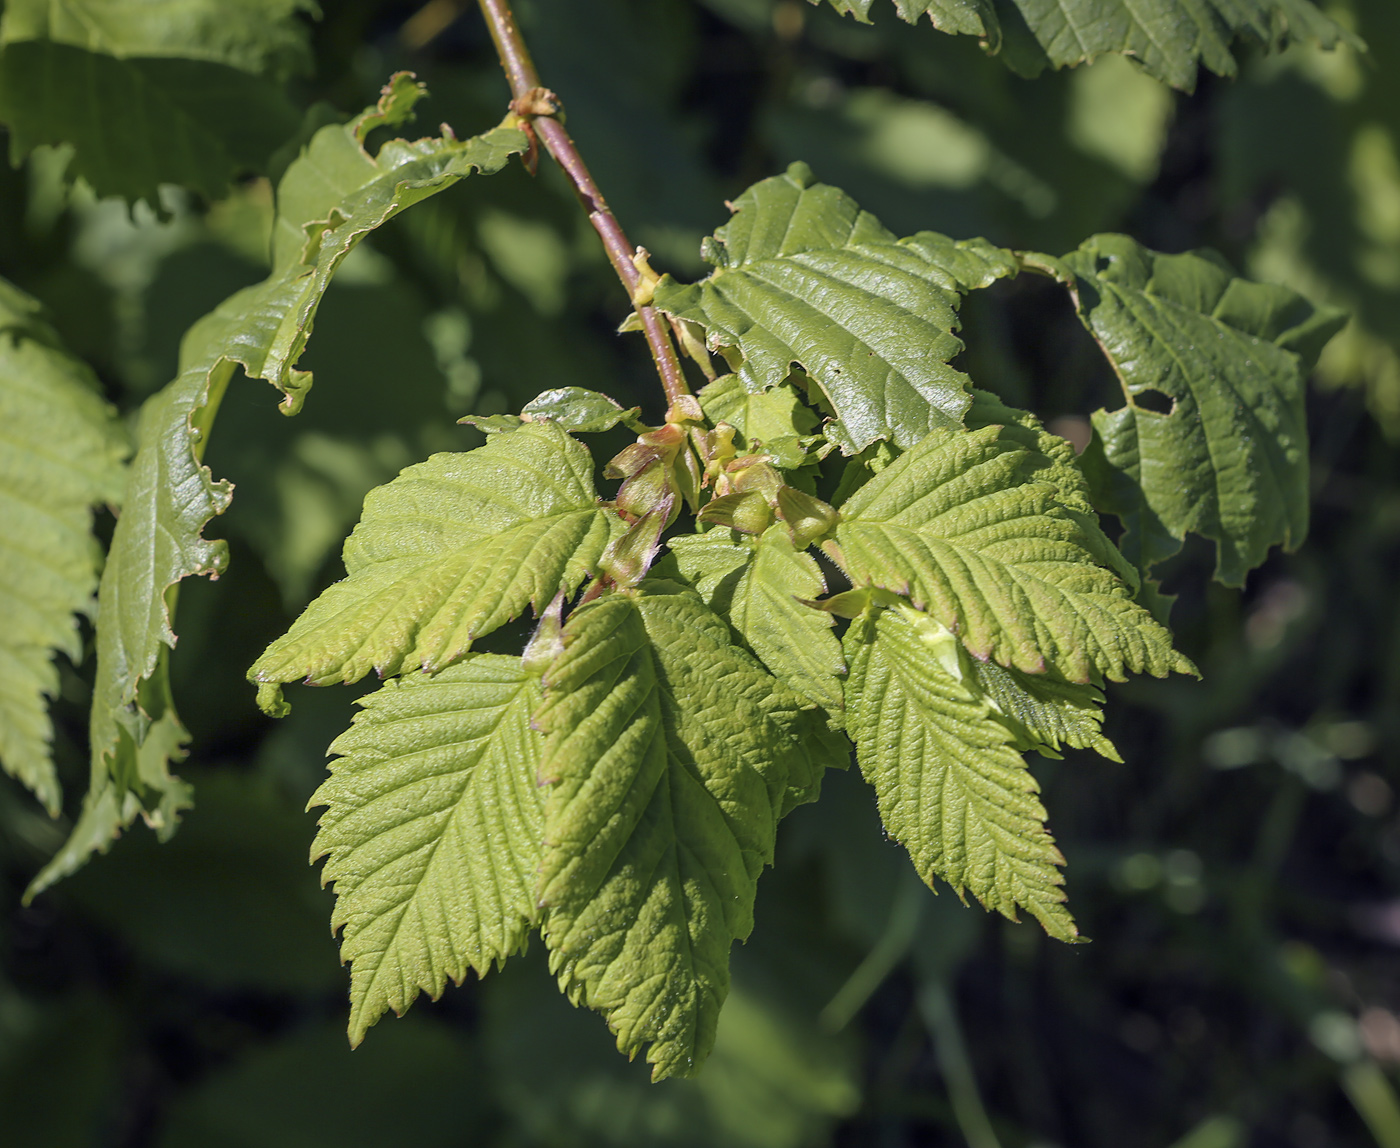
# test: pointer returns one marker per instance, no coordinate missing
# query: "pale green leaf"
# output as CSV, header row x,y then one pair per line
x,y
951,787
962,526
1062,470
260,36
772,422
1169,38
1228,457
62,454
804,276
135,124
755,583
432,828
578,410
668,773
447,552
338,193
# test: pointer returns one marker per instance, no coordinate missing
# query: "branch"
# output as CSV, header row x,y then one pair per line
x,y
538,106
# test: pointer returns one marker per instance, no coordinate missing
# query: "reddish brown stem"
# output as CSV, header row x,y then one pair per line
x,y
529,99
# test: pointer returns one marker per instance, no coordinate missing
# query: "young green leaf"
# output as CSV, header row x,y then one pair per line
x,y
755,583
803,275
772,422
951,787
963,526
432,827
1170,39
330,198
63,454
668,773
1228,459
445,553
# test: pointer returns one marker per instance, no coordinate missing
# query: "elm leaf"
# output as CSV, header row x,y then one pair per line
x,y
432,831
447,552
804,276
669,762
951,787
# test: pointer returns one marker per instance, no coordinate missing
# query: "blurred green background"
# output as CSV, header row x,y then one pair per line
x,y
1240,876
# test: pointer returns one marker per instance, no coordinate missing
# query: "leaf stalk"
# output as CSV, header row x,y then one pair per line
x,y
539,108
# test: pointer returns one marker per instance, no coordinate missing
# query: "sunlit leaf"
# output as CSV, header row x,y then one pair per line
x,y
1171,39
260,36
755,584
952,789
329,199
432,829
445,553
964,527
804,276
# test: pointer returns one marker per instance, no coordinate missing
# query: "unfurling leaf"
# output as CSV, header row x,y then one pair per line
x,y
63,455
1170,39
330,198
1228,456
804,276
670,760
447,552
432,827
951,787
964,528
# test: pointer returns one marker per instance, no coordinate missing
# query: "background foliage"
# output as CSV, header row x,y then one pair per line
x,y
1239,874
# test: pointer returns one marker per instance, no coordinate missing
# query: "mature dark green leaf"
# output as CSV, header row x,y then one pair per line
x,y
433,826
804,276
137,123
329,199
1228,458
1169,38
755,583
445,553
951,787
668,774
63,454
1043,712
260,36
964,526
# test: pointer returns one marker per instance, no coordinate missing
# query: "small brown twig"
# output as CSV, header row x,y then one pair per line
x,y
538,106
